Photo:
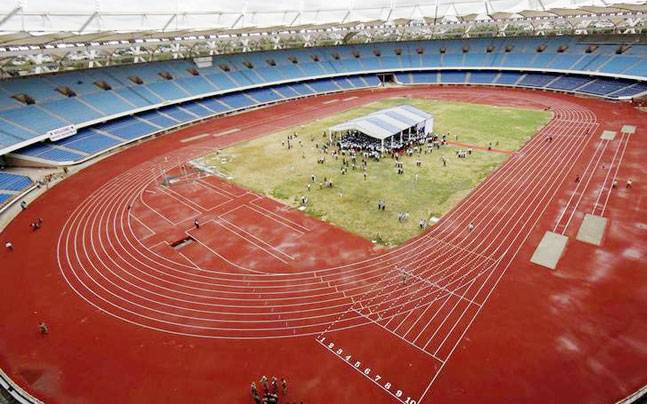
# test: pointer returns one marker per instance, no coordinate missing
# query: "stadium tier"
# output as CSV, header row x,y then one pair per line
x,y
39,108
11,185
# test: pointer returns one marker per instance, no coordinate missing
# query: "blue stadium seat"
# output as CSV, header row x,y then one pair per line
x,y
89,141
13,182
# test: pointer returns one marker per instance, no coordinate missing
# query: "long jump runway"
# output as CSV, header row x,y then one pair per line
x,y
259,288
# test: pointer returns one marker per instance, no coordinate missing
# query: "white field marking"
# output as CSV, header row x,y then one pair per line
x,y
219,255
226,132
190,203
528,234
368,377
190,261
330,101
463,249
450,313
151,231
586,186
215,189
350,98
489,293
158,243
435,285
196,137
577,187
173,314
425,306
141,200
257,206
409,343
276,218
438,311
615,174
606,177
259,243
351,308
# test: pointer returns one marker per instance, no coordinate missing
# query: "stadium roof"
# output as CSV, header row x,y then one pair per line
x,y
134,19
385,123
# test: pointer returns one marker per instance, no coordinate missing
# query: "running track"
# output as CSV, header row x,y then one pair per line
x,y
265,290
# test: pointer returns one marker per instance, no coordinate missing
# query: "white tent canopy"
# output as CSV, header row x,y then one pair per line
x,y
94,16
389,122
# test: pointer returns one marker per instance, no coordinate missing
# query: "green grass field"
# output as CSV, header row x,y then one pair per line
x,y
266,166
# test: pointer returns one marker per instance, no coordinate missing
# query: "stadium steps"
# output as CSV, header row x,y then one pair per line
x,y
552,81
169,116
278,93
639,63
124,99
205,107
634,85
148,122
582,85
110,135
208,80
309,87
69,149
54,115
254,100
19,126
188,112
87,104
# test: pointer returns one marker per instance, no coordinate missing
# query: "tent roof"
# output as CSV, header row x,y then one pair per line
x,y
385,123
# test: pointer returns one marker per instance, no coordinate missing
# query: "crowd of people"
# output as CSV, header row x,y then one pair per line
x,y
272,390
358,141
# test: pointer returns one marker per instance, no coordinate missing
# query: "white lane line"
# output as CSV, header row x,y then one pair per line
x,y
226,132
197,137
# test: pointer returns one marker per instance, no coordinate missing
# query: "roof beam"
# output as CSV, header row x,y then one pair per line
x,y
170,20
541,4
240,17
10,15
88,21
294,20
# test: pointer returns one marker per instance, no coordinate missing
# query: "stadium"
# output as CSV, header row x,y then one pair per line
x,y
362,201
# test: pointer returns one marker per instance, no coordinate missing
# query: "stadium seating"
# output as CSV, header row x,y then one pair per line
x,y
13,183
89,97
101,137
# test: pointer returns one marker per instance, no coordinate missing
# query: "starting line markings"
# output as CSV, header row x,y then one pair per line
x,y
365,371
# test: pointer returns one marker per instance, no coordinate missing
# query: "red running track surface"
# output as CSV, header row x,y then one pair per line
x,y
451,316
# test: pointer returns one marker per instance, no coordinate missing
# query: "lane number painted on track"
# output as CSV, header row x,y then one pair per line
x,y
366,371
